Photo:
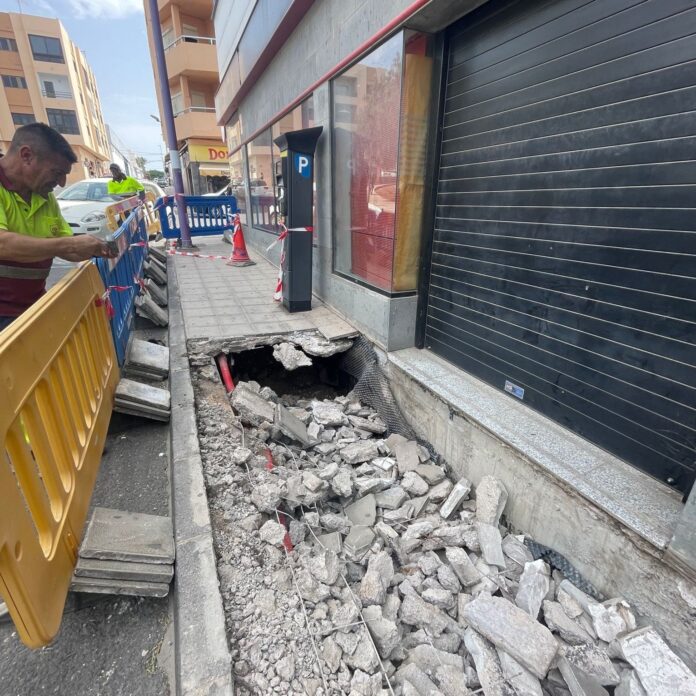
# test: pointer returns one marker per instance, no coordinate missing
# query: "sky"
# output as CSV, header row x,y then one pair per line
x,y
112,34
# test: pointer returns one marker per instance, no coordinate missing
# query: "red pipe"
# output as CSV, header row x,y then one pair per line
x,y
353,55
225,372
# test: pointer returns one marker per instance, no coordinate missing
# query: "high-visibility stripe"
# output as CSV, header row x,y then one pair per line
x,y
24,273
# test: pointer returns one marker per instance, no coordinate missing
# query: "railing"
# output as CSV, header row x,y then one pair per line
x,y
56,94
123,274
206,215
196,109
58,374
189,38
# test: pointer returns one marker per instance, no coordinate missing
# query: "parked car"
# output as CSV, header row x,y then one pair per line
x,y
84,202
226,190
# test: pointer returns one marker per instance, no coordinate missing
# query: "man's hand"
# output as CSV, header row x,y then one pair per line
x,y
86,246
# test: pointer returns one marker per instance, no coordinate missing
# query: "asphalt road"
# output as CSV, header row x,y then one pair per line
x,y
107,646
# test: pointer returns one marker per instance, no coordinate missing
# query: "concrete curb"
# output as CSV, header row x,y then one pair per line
x,y
203,662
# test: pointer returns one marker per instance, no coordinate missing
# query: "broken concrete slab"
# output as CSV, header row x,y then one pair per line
x,y
593,660
579,683
459,494
272,533
521,679
128,536
406,453
328,413
490,542
659,669
157,292
534,587
630,685
488,669
331,541
291,426
430,473
363,511
251,407
373,589
290,357
134,588
358,542
316,345
414,484
513,630
491,498
462,565
359,452
559,622
375,426
392,498
410,674
384,631
124,570
415,611
451,680
342,484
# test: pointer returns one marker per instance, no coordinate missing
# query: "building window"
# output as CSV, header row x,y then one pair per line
x,y
64,121
16,81
177,103
8,44
46,48
22,119
380,124
262,156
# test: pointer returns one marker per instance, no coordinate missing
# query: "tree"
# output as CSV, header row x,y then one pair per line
x,y
154,174
140,163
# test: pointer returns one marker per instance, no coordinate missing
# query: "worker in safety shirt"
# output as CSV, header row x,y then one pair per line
x,y
32,230
122,185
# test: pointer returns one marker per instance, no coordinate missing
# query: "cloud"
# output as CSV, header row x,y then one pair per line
x,y
114,9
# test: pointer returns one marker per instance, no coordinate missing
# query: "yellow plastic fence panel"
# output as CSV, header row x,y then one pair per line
x,y
58,374
124,207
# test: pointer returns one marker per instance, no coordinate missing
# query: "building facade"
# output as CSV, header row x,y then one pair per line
x,y
190,54
45,77
504,204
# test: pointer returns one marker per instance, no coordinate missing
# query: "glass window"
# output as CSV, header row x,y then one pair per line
x,y
23,119
63,120
177,103
46,48
15,81
7,44
366,102
381,108
262,203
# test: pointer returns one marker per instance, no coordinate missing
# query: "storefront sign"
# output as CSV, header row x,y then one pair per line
x,y
208,152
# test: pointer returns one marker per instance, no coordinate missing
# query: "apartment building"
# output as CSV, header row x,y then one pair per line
x,y
192,69
46,77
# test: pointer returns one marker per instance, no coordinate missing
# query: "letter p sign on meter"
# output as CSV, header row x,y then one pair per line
x,y
295,181
303,165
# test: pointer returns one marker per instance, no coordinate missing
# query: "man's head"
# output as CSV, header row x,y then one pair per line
x,y
39,158
116,173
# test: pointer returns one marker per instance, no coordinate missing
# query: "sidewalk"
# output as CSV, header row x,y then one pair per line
x,y
220,301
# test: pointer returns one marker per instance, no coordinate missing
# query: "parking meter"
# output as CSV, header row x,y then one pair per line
x,y
295,183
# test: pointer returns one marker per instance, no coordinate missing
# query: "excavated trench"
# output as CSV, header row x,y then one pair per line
x,y
350,563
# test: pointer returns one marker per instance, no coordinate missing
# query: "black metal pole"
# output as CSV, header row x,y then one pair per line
x,y
169,126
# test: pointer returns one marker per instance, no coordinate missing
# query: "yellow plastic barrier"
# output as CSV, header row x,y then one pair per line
x,y
124,207
58,373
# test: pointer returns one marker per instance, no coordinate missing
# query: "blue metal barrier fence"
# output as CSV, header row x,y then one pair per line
x,y
122,275
206,215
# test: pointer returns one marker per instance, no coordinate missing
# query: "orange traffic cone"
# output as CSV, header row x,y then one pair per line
x,y
240,256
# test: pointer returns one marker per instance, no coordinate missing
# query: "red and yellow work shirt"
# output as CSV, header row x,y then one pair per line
x,y
21,284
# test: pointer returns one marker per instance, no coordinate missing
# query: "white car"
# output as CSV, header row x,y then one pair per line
x,y
83,203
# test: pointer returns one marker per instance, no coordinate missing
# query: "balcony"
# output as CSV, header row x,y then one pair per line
x,y
196,122
194,8
193,56
56,94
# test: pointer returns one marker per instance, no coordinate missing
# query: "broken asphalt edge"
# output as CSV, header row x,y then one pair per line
x,y
203,662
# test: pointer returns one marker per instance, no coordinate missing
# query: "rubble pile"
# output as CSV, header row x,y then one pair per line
x,y
409,582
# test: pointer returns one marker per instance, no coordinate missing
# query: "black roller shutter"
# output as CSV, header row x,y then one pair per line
x,y
564,252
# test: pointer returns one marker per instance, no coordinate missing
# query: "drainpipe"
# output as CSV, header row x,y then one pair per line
x,y
169,126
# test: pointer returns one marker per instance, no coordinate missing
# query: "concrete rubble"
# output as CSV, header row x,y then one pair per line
x,y
362,547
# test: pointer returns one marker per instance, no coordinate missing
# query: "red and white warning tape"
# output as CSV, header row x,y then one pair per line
x,y
278,294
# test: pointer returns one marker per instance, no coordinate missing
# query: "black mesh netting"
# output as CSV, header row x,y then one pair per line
x,y
372,388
